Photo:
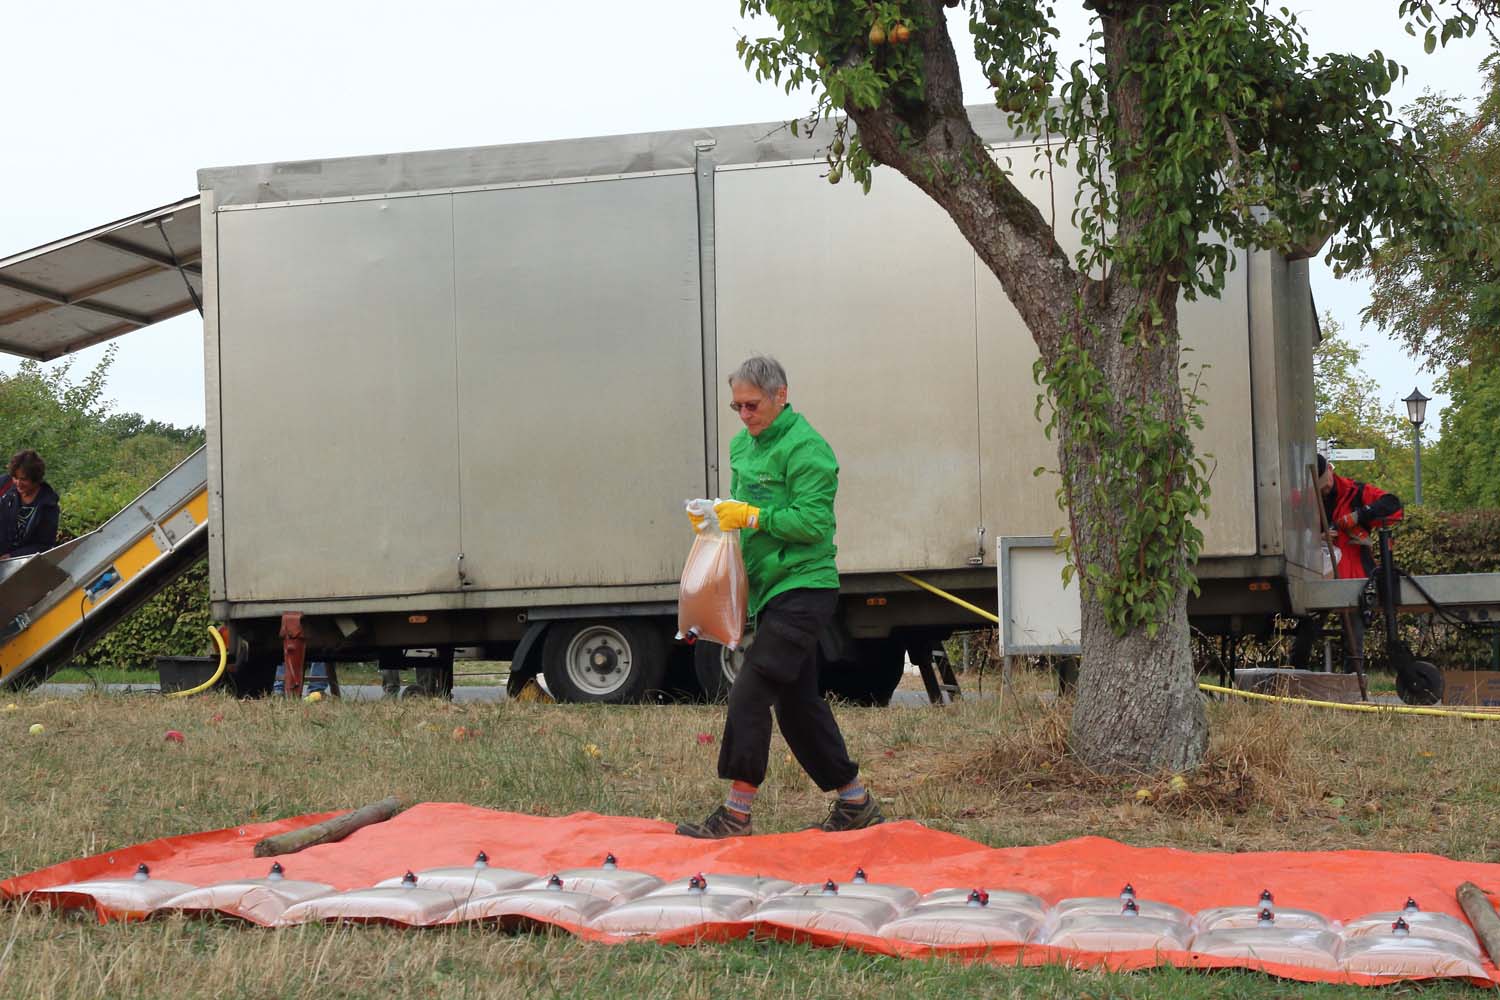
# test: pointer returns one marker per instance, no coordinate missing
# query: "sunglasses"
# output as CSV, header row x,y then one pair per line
x,y
745,407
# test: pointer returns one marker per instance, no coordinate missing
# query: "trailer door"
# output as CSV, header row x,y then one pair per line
x,y
580,399
336,371
868,300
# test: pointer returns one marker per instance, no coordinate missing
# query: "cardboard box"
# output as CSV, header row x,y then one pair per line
x,y
1471,687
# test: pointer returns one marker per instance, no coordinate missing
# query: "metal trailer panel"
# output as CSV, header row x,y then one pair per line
x,y
212,402
1215,334
337,391
388,174
1283,335
1296,437
868,301
580,407
1216,348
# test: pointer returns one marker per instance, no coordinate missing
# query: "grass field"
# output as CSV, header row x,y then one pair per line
x,y
101,776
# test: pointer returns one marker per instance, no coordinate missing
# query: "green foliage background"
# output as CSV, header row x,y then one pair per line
x,y
98,462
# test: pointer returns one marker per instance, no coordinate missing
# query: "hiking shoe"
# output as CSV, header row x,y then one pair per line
x,y
721,823
851,816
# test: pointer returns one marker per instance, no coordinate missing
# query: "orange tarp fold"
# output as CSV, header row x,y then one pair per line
x,y
1342,885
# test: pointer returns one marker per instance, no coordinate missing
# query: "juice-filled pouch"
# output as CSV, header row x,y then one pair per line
x,y
714,595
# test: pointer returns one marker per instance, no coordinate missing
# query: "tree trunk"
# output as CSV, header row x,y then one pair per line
x,y
1137,705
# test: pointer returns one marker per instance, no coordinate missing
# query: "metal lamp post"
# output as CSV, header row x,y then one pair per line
x,y
1416,412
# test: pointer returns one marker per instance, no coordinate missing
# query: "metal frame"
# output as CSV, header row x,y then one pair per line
x,y
1480,591
143,263
708,300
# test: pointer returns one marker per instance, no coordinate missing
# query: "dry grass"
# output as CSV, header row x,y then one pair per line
x,y
101,776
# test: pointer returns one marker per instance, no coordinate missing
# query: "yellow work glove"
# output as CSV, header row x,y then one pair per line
x,y
736,514
697,520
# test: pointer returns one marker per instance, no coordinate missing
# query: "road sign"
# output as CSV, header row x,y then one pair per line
x,y
1351,455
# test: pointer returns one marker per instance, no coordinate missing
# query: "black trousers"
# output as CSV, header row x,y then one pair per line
x,y
781,674
1310,630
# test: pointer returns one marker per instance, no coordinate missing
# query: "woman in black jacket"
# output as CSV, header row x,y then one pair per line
x,y
28,507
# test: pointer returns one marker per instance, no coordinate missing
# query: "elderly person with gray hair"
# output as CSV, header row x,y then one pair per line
x,y
784,477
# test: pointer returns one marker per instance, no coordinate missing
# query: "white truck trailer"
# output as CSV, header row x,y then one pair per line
x,y
458,397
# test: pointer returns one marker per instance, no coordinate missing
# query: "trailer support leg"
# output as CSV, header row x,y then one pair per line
x,y
293,652
937,677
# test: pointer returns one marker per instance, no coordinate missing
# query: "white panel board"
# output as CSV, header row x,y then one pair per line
x,y
1038,613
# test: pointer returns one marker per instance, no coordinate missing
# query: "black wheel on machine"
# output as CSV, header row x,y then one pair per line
x,y
611,661
717,666
1421,683
873,678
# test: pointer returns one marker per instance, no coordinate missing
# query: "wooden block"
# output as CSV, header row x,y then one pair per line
x,y
1288,683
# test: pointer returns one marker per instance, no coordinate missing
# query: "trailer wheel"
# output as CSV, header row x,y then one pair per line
x,y
613,661
717,666
874,677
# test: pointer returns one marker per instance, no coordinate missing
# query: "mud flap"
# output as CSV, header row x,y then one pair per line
x,y
526,661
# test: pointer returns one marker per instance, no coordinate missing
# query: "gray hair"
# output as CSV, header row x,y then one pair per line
x,y
766,374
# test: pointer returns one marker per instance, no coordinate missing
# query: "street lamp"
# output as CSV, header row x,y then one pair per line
x,y
1416,412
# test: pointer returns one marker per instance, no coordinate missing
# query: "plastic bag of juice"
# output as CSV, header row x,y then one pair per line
x,y
715,593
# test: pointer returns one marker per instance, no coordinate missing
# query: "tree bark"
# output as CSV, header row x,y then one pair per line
x,y
1482,915
329,830
1137,705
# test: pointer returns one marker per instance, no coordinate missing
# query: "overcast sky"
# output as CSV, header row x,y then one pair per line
x,y
116,105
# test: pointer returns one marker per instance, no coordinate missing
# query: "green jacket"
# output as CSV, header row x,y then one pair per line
x,y
791,474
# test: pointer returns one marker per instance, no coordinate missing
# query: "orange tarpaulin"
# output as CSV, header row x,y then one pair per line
x,y
1342,885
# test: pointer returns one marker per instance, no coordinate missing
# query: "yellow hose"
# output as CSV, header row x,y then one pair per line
x,y
223,659
1354,707
1254,695
949,597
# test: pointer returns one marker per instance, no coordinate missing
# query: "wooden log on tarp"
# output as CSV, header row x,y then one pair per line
x,y
1482,915
329,830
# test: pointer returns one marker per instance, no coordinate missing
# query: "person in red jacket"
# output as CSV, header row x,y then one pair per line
x,y
1353,511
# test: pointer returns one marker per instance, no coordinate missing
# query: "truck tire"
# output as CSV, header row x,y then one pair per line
x,y
613,661
718,666
874,677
